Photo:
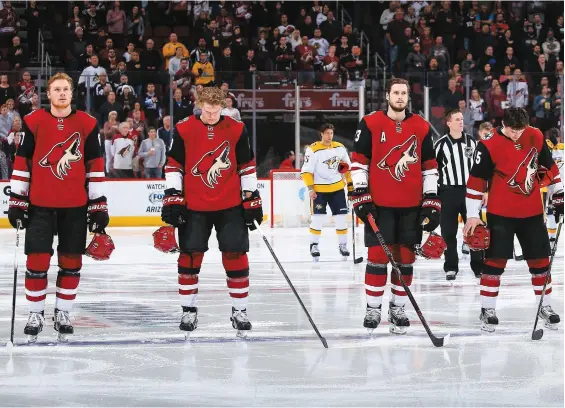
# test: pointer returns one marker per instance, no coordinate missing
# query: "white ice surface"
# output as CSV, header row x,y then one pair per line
x,y
127,349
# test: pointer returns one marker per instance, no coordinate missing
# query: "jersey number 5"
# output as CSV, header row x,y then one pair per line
x,y
478,157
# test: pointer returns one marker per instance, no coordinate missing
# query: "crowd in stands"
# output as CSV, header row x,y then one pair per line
x,y
128,58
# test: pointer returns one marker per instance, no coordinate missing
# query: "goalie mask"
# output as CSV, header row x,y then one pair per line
x,y
164,240
100,248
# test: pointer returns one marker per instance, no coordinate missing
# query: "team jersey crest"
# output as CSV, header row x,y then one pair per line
x,y
396,161
61,156
332,162
211,165
524,177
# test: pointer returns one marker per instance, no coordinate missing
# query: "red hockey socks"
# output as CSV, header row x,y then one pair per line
x,y
375,276
236,265
189,267
490,281
539,269
68,279
36,281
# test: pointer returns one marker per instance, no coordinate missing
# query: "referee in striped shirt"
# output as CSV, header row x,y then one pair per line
x,y
454,155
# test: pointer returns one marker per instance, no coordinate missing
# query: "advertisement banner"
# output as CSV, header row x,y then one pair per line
x,y
272,100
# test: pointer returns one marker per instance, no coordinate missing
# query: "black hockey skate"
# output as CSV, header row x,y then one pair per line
x,y
240,322
315,252
398,319
450,275
489,319
63,325
343,251
188,320
551,318
372,318
34,326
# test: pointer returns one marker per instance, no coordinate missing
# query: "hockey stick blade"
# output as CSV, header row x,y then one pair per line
x,y
537,334
358,260
266,241
436,341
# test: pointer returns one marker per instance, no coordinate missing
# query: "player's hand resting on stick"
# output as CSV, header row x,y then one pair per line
x,y
18,211
253,209
174,208
557,203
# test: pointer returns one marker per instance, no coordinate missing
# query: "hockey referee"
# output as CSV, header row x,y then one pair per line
x,y
454,154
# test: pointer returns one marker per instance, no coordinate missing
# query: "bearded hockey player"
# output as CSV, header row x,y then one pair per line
x,y
325,164
395,177
211,182
517,162
57,188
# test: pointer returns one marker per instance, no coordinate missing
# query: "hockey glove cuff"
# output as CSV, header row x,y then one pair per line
x,y
18,211
430,212
253,210
557,203
363,204
98,218
174,210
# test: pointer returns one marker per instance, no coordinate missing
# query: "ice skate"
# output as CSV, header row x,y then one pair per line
x,y
34,326
450,275
489,319
63,325
398,319
343,251
240,322
465,249
188,320
551,318
372,318
315,252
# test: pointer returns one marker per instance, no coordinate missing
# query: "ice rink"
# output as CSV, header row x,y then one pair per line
x,y
127,349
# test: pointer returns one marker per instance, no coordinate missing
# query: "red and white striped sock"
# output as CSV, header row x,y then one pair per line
x,y
489,290
375,281
538,280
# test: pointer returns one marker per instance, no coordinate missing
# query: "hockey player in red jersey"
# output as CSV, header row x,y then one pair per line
x,y
57,188
395,176
211,182
515,160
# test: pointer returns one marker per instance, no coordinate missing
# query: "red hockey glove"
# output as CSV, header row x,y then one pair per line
x,y
544,177
363,204
557,204
174,210
253,210
343,167
434,247
18,211
97,215
430,212
164,240
100,248
479,240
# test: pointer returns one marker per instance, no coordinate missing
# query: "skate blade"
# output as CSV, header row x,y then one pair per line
x,y
63,338
316,258
397,329
242,334
489,328
551,326
344,258
31,338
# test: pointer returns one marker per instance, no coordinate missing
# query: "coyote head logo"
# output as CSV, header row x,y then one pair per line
x,y
210,166
61,156
397,160
524,177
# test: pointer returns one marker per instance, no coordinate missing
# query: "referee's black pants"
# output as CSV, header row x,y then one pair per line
x,y
453,205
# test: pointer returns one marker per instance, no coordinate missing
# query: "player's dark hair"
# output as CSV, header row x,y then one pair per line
x,y
516,118
324,127
288,154
450,113
397,81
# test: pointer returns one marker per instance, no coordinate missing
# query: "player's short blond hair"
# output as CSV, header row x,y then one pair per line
x,y
212,96
57,76
485,126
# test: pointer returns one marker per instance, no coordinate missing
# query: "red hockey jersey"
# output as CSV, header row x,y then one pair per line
x,y
211,164
59,160
511,169
399,157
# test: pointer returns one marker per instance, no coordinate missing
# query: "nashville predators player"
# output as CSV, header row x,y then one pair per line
x,y
556,148
326,163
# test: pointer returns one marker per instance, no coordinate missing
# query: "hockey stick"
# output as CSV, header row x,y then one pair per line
x,y
322,339
360,259
437,341
11,342
538,334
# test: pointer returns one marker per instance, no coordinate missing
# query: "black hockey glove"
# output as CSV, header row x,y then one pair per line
x,y
98,218
363,204
253,210
174,210
430,212
18,211
557,204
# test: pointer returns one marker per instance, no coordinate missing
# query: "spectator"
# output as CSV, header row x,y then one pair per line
x,y
122,152
134,69
230,111
307,29
551,46
322,15
262,51
227,66
127,55
284,56
394,35
89,76
76,20
319,43
488,58
418,6
93,20
556,101
174,62
469,67
483,40
306,56
405,47
343,49
484,129
35,102
498,105
517,91
5,121
331,29
477,107
332,69
489,92
84,59
9,23
213,36
10,104
455,74
427,42
541,69
103,53
112,61
202,49
135,27
16,55
540,28
486,78
150,58
436,80
6,90
110,129
295,39
452,96
388,15
288,162
101,90
170,49
109,106
468,121
13,141
441,54
510,60
468,29
411,17
505,78
34,17
137,108
446,26
153,150
249,68
203,71
183,77
164,132
117,24
137,125
485,16
152,105
416,63
127,99
238,44
543,110
355,68
26,89
556,80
